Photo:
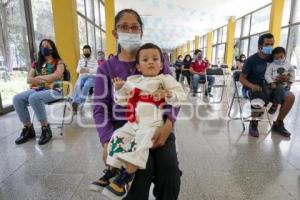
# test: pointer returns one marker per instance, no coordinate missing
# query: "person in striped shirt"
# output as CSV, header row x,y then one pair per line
x,y
86,68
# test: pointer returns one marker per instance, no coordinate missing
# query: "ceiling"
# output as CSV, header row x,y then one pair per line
x,y
170,23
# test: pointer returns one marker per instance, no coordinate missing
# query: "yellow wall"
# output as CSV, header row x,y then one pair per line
x,y
209,46
110,26
66,33
230,42
275,19
197,42
188,47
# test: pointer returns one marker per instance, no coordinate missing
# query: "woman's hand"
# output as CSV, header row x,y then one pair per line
x,y
105,152
118,83
161,134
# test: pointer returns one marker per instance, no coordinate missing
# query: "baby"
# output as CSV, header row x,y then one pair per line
x,y
276,70
144,95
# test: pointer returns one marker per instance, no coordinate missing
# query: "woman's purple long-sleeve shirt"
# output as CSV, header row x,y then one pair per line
x,y
105,110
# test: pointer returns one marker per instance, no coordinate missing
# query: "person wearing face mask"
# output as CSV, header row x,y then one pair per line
x,y
279,67
45,79
240,62
109,117
101,58
178,65
187,61
258,91
197,69
86,68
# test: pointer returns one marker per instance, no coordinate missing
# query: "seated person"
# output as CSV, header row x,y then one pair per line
x,y
101,58
178,65
186,68
87,68
45,78
279,67
128,149
253,80
240,62
197,70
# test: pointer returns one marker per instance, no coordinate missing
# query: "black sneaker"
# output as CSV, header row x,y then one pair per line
x,y
26,134
119,187
278,127
273,109
194,95
253,130
104,180
46,135
75,107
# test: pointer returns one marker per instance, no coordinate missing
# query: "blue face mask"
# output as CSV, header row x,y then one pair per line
x,y
46,51
279,62
267,50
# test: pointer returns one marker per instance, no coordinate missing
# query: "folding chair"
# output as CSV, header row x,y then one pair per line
x,y
220,83
237,96
66,99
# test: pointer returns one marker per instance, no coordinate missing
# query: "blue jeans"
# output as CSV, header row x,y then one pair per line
x,y
197,78
82,88
37,100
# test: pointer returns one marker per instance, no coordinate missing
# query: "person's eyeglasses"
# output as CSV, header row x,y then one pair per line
x,y
126,28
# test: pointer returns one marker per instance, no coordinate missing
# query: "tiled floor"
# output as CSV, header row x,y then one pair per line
x,y
219,162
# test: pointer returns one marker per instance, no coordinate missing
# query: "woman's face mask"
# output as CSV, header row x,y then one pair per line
x,y
129,41
46,51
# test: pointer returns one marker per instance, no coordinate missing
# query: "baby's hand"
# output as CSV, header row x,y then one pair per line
x,y
118,83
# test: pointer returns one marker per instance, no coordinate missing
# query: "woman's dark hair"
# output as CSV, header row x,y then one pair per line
x,y
278,50
242,55
122,12
41,58
263,37
180,56
185,57
148,46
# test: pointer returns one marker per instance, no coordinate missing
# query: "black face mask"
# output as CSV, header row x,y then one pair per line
x,y
87,55
46,51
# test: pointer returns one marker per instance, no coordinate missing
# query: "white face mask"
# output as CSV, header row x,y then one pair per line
x,y
129,41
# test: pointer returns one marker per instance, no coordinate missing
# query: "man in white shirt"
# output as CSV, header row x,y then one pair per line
x,y
86,68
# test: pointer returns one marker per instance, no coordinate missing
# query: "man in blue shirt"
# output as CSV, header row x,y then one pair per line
x,y
260,94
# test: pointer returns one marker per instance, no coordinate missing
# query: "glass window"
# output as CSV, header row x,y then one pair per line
x,y
294,47
253,44
98,39
296,17
244,47
205,41
97,12
14,51
215,35
80,6
103,36
260,20
214,55
204,52
224,37
89,9
283,37
91,36
246,26
221,53
286,13
238,28
82,31
42,20
220,34
102,15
